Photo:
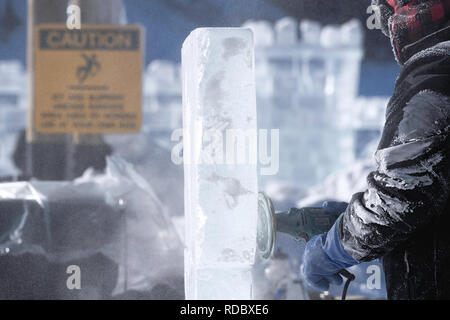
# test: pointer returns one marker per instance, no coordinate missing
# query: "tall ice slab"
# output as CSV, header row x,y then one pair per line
x,y
219,141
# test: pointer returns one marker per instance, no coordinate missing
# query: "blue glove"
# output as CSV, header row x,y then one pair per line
x,y
324,256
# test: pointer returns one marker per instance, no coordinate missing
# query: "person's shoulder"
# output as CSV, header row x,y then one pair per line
x,y
426,113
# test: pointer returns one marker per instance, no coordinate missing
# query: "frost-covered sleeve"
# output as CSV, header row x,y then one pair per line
x,y
411,183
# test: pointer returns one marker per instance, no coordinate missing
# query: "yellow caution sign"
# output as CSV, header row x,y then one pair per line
x,y
87,80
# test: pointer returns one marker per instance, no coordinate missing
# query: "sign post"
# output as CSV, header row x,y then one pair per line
x,y
87,81
79,92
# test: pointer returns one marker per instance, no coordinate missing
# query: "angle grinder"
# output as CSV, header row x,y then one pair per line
x,y
300,224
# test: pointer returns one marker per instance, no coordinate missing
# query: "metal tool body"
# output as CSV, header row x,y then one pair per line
x,y
301,224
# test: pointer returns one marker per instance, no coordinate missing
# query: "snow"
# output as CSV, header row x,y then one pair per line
x,y
220,199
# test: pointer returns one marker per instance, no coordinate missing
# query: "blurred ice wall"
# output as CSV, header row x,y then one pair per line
x,y
13,104
150,150
162,100
307,81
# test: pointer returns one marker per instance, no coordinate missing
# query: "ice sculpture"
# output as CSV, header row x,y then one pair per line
x,y
263,33
306,87
352,33
162,100
310,31
220,199
13,103
286,31
330,36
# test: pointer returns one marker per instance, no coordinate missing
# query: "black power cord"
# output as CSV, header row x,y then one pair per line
x,y
350,277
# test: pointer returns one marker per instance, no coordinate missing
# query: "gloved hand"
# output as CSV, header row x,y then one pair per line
x,y
324,256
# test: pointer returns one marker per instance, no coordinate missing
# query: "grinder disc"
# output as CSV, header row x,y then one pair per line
x,y
266,231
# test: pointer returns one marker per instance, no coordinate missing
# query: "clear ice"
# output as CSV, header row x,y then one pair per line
x,y
220,198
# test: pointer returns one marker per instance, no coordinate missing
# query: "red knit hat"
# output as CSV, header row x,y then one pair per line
x,y
413,20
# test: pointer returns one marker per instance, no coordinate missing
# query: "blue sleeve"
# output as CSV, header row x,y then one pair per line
x,y
335,250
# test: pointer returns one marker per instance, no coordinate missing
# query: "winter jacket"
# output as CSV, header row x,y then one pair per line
x,y
404,215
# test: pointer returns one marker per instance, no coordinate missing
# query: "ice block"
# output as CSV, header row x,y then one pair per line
x,y
220,195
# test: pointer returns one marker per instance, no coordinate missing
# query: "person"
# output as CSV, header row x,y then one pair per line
x,y
404,215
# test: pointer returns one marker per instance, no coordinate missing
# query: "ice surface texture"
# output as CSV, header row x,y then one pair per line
x,y
220,199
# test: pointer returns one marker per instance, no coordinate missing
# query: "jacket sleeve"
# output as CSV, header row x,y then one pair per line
x,y
411,184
